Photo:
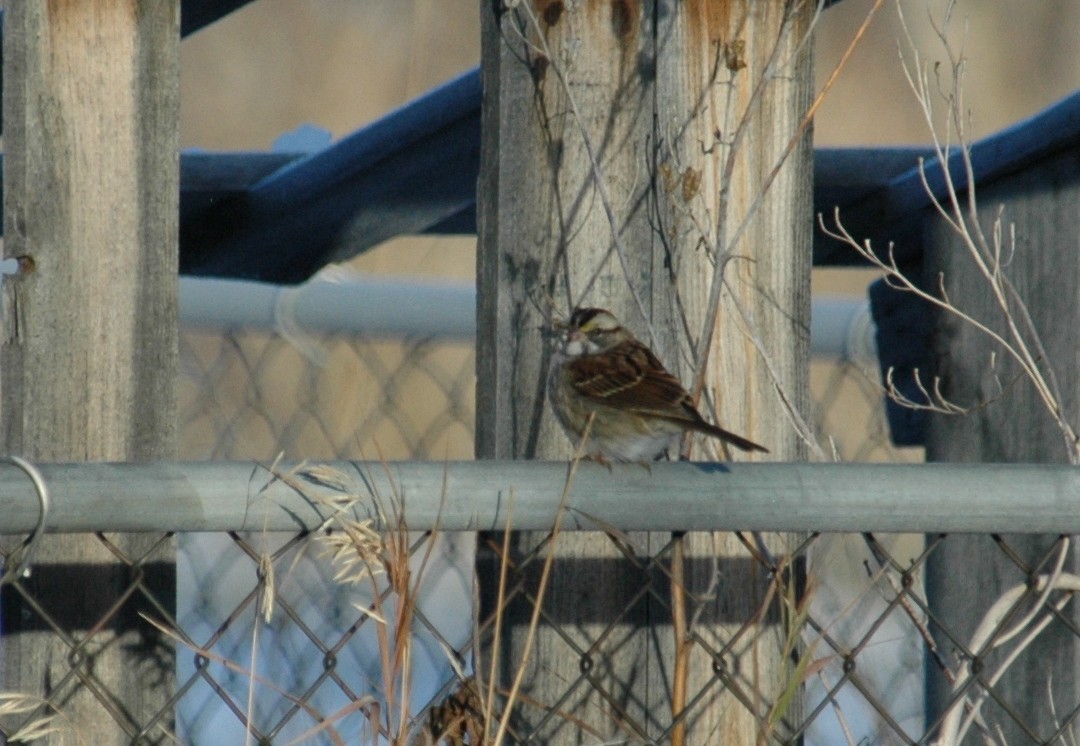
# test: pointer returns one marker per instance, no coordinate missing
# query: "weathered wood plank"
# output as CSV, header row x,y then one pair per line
x,y
89,360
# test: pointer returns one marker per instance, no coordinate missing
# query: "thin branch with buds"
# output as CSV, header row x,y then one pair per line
x,y
1020,340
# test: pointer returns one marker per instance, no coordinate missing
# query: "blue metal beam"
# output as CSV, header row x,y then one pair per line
x,y
197,14
409,172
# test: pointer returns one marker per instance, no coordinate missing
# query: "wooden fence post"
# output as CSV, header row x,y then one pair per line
x,y
89,358
635,108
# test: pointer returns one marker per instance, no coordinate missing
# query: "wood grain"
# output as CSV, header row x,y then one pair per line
x,y
89,363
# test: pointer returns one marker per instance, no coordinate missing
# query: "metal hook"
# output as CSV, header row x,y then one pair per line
x,y
18,562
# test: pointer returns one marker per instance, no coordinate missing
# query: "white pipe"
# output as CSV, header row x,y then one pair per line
x,y
379,307
840,328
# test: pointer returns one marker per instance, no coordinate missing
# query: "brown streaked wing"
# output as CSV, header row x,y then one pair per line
x,y
629,377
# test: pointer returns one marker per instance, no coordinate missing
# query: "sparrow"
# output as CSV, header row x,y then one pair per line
x,y
639,410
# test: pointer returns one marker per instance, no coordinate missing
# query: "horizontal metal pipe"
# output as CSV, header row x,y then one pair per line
x,y
180,496
381,307
391,307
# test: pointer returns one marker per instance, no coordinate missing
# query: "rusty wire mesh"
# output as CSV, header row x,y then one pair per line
x,y
865,636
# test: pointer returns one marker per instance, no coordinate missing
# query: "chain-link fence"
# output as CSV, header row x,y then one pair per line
x,y
355,397
253,394
273,642
258,395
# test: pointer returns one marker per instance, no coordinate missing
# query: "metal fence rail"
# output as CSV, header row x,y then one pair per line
x,y
474,496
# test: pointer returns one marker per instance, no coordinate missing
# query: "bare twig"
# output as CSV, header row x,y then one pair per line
x,y
989,253
1020,340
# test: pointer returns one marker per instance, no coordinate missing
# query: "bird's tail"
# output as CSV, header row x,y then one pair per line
x,y
743,444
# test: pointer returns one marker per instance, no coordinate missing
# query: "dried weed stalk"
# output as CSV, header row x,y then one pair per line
x,y
47,720
989,253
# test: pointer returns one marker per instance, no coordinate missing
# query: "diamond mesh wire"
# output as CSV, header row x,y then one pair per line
x,y
268,641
